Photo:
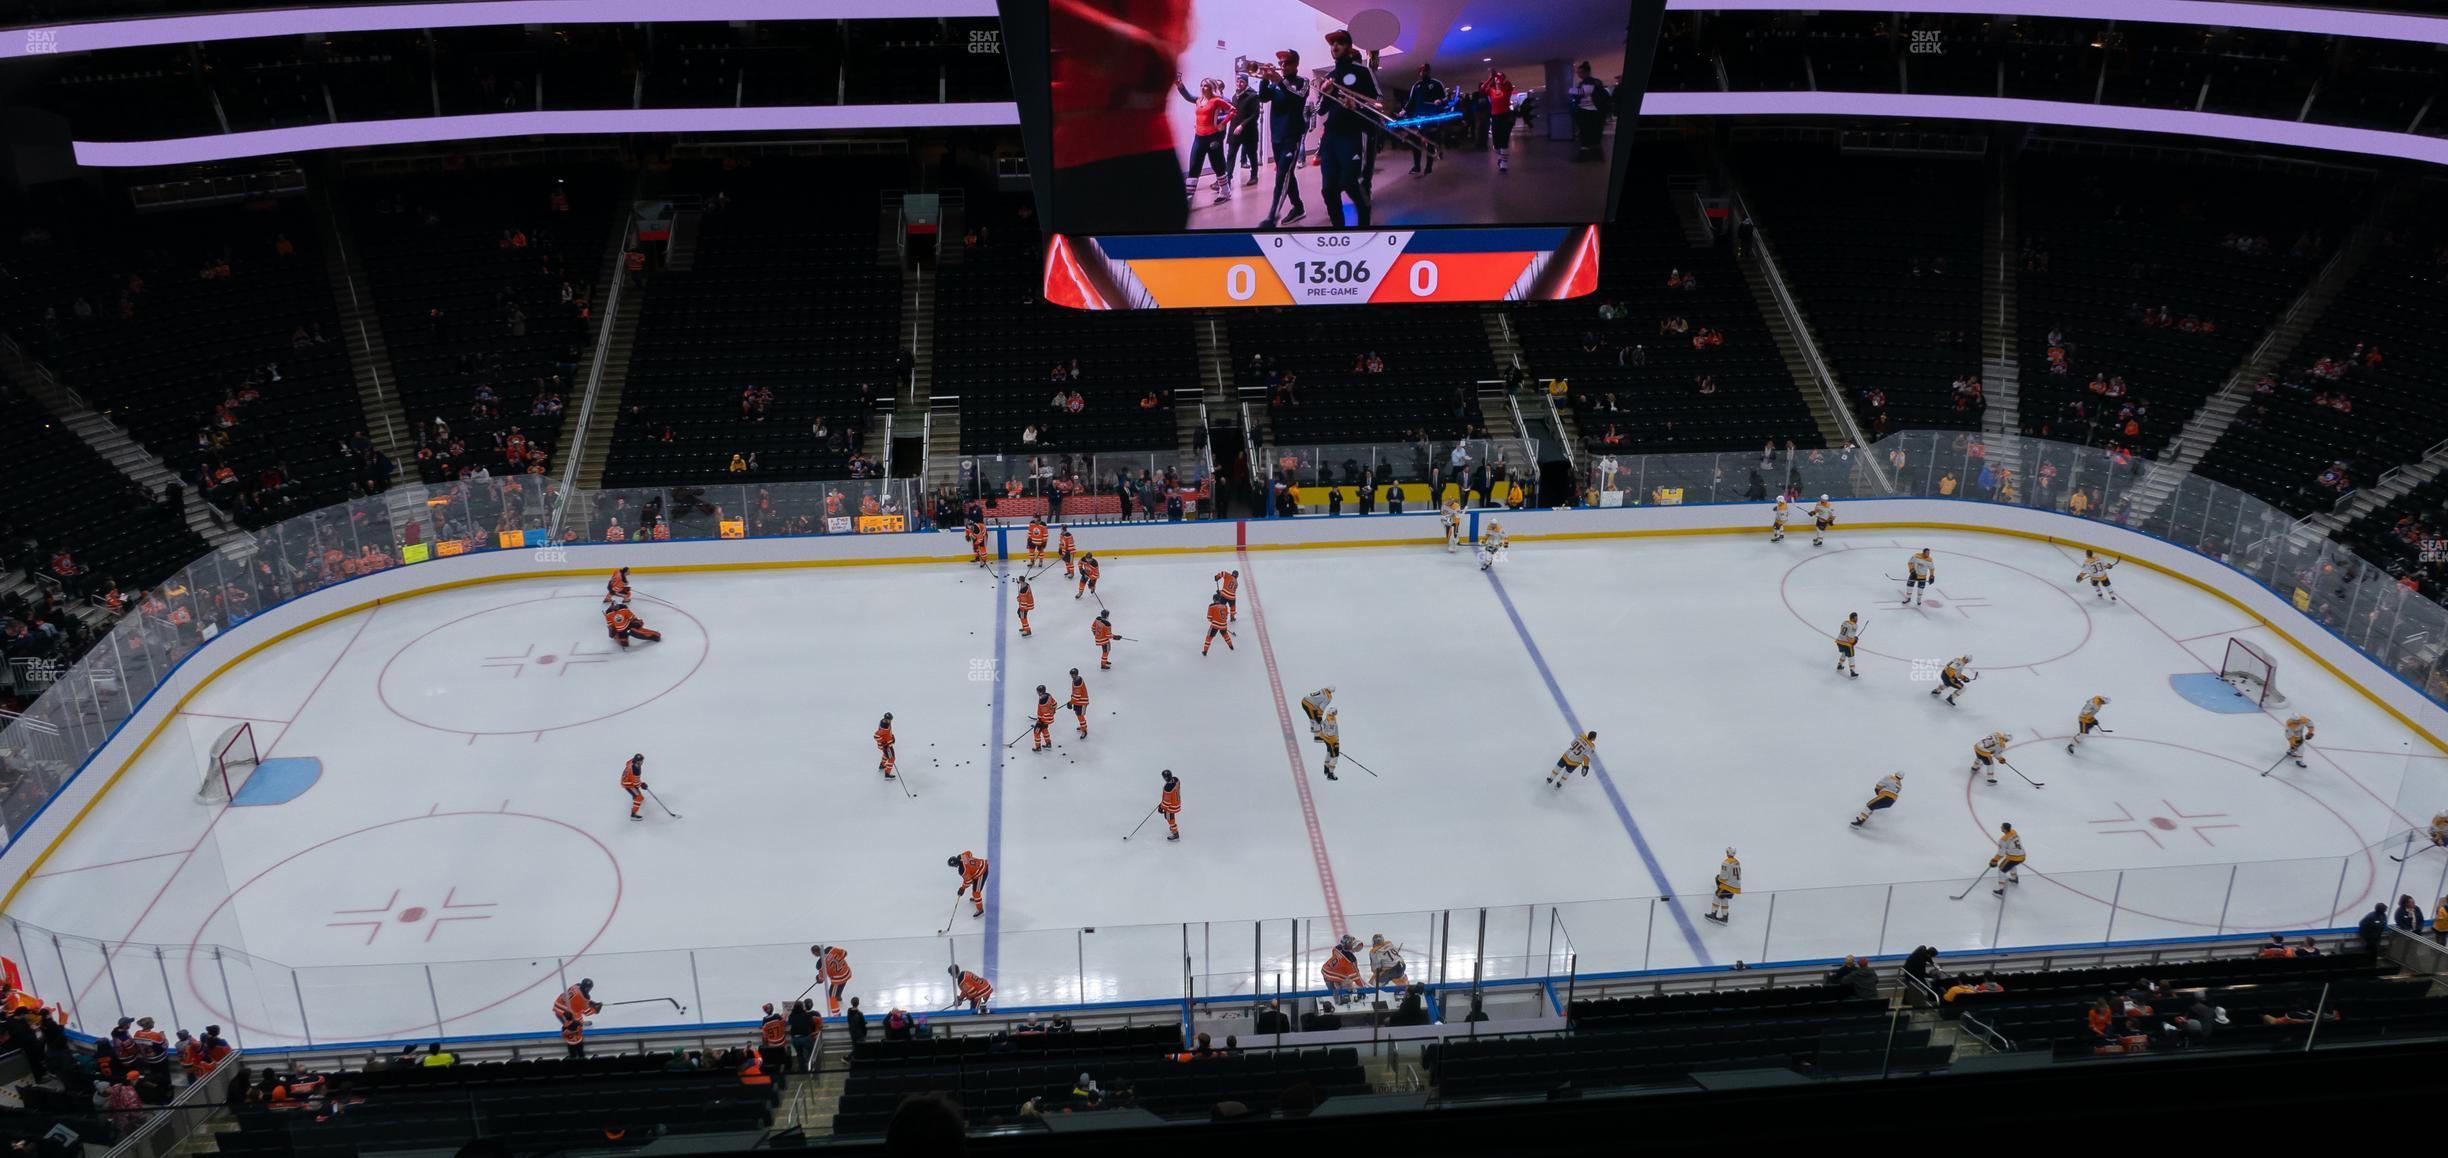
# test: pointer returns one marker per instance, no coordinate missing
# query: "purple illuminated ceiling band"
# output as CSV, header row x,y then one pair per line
x,y
134,33
423,130
2185,122
2208,13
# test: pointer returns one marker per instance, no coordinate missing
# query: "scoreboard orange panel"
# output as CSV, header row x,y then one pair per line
x,y
1321,268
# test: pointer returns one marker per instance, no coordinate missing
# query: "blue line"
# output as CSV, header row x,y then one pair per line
x,y
1691,936
994,791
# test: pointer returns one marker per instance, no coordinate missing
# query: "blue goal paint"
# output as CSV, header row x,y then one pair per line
x,y
2212,694
278,781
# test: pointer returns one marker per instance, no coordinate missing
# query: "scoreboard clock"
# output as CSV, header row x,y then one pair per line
x,y
1321,268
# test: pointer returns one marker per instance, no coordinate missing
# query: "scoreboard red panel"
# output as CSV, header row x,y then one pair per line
x,y
1321,268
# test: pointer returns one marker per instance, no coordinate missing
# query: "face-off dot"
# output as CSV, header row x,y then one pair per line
x,y
412,913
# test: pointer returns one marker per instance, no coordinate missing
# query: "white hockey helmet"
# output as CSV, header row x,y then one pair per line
x,y
1823,498
1729,852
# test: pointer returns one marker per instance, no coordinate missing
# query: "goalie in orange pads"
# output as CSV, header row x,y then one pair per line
x,y
623,625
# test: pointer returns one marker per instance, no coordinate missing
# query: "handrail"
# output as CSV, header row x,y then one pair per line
x,y
576,444
147,1141
1555,421
1985,1033
1792,312
888,443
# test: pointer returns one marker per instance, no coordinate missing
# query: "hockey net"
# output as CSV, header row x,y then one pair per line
x,y
231,760
2253,672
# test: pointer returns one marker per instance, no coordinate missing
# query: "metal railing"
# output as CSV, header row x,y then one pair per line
x,y
604,322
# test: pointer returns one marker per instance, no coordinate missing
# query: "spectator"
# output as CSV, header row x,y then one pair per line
x,y
435,1056
1965,986
1413,1010
858,1023
2409,914
805,1027
1271,1020
1855,976
2373,925
898,1025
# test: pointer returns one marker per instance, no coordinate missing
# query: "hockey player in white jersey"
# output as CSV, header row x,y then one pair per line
x,y
1848,637
1315,704
1385,963
1919,573
1986,753
1331,734
1882,797
2009,859
1822,516
1453,525
1777,517
2095,572
1492,545
1729,886
1954,678
1575,758
2086,720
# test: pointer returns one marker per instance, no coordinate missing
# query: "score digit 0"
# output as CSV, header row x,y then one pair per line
x,y
1240,283
1423,279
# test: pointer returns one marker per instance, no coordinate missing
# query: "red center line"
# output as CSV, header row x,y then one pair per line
x,y
111,951
1292,750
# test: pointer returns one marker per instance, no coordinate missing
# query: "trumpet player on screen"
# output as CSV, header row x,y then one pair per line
x,y
1286,94
1343,146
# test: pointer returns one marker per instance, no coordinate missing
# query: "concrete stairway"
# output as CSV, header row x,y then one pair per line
x,y
595,445
1789,348
2394,483
910,394
387,422
1502,343
943,442
2000,259
1215,361
122,451
2202,431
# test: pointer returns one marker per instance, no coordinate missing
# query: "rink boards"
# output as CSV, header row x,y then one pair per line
x,y
1041,953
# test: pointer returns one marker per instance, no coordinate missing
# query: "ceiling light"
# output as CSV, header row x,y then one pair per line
x,y
1466,28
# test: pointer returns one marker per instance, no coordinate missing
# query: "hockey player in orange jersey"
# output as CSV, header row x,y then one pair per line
x,y
1228,588
1079,701
1041,736
572,1009
1028,603
1101,630
886,758
1217,617
633,782
970,989
832,968
1036,542
1087,575
1064,547
973,879
1170,804
623,625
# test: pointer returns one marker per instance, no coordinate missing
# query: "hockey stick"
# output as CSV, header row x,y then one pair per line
x,y
901,779
659,804
956,900
1132,639
1143,822
648,1001
1984,875
1362,767
810,989
2019,772
1024,732
2274,765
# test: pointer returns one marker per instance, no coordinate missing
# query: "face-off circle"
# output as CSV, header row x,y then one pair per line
x,y
537,665
489,889
2020,617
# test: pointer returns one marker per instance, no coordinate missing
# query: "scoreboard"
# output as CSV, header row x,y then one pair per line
x,y
1313,268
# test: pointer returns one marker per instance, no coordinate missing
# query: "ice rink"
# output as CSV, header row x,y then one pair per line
x,y
465,849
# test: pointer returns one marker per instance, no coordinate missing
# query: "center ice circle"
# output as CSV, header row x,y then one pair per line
x,y
2003,615
537,665
492,906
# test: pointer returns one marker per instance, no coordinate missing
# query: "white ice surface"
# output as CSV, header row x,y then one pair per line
x,y
467,849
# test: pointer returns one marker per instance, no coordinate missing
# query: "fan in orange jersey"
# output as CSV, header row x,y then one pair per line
x,y
617,591
1063,547
833,968
1036,542
1028,603
572,1009
973,879
1228,588
1341,971
973,989
1170,804
623,625
1040,738
1217,614
633,781
887,759
1087,574
1079,701
1101,629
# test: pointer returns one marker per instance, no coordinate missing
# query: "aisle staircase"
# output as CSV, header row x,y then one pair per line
x,y
1789,347
388,424
2000,370
603,402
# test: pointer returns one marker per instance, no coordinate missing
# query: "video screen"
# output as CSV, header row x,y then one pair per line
x,y
1257,115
